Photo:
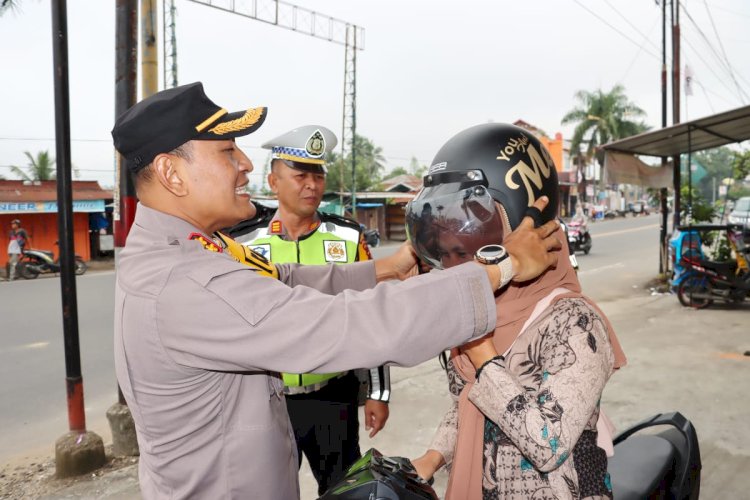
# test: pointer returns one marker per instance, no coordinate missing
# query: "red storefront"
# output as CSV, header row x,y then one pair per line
x,y
35,204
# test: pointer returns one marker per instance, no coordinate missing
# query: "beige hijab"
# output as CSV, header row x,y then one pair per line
x,y
514,306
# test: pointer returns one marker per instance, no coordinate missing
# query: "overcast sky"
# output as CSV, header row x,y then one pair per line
x,y
429,69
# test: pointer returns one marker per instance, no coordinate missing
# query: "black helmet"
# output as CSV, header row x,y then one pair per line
x,y
374,476
492,161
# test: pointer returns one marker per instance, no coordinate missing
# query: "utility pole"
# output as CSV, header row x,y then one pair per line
x,y
663,256
124,441
149,57
676,104
78,451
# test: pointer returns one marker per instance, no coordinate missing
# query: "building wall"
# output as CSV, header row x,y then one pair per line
x,y
555,147
42,230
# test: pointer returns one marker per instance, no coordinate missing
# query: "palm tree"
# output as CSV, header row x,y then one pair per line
x,y
41,168
602,117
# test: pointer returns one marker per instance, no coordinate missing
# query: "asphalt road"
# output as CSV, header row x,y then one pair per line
x,y
33,412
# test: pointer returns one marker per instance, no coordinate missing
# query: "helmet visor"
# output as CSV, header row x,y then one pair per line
x,y
447,229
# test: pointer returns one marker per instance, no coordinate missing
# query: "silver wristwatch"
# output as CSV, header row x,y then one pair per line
x,y
496,254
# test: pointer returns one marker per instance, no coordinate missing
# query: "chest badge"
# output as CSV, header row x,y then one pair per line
x,y
335,251
262,249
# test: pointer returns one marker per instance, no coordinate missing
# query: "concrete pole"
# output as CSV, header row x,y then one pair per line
x,y
124,441
78,451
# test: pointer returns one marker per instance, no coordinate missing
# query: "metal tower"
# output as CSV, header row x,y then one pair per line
x,y
317,25
170,44
349,118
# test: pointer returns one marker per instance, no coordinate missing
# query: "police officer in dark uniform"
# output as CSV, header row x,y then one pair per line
x,y
322,407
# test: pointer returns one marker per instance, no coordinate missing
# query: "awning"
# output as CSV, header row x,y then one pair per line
x,y
696,135
628,169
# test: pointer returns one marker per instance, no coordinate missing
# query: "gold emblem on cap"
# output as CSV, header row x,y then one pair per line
x,y
316,144
247,120
208,121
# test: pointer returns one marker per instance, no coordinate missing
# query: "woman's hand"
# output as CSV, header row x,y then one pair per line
x,y
427,464
480,351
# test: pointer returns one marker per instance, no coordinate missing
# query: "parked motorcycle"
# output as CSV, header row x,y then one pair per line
x,y
666,464
36,262
372,236
661,465
703,281
579,238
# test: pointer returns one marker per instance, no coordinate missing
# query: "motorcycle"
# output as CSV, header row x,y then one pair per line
x,y
571,247
372,236
579,238
704,281
666,464
36,262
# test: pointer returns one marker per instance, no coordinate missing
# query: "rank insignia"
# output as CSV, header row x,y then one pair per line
x,y
276,227
207,242
335,251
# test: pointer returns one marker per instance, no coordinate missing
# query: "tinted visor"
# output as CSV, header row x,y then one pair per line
x,y
448,223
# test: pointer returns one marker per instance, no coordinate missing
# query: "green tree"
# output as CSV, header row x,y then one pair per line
x,y
369,166
398,171
601,117
718,166
39,168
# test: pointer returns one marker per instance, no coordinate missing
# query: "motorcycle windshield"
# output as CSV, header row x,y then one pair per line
x,y
446,226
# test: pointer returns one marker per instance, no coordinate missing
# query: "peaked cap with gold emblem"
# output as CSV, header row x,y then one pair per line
x,y
170,118
303,148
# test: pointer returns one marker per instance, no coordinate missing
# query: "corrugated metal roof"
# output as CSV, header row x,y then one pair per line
x,y
22,191
696,135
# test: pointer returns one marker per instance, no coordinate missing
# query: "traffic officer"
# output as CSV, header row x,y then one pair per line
x,y
322,406
201,329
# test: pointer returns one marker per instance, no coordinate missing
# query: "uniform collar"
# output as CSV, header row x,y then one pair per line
x,y
277,228
171,227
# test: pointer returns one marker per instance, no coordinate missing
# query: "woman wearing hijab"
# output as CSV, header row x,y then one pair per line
x,y
525,421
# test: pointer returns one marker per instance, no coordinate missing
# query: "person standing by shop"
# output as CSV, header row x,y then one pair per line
x,y
323,407
16,245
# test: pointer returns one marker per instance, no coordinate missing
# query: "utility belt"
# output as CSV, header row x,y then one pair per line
x,y
305,383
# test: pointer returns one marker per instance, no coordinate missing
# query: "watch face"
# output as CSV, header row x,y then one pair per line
x,y
491,253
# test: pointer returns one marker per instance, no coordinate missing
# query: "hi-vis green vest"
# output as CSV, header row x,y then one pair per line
x,y
335,240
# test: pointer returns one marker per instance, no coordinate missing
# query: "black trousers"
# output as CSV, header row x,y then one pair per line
x,y
326,428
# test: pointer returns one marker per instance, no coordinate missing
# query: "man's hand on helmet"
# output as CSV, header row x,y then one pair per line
x,y
533,250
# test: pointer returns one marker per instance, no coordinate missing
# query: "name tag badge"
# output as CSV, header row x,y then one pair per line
x,y
335,251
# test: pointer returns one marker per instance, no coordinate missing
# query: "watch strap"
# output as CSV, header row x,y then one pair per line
x,y
506,271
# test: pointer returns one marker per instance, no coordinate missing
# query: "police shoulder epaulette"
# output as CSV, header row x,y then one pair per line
x,y
262,218
339,220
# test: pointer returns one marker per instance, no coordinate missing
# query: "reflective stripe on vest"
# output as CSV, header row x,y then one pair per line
x,y
327,244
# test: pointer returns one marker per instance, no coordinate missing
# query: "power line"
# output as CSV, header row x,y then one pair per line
x,y
633,25
721,46
615,29
723,63
709,66
638,53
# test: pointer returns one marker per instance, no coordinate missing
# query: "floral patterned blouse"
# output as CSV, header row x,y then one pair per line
x,y
541,404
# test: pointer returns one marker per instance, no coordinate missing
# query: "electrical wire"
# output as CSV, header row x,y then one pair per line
x,y
721,46
615,29
723,63
638,53
633,25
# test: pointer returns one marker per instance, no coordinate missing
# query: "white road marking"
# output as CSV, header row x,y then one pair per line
x,y
621,231
33,345
602,268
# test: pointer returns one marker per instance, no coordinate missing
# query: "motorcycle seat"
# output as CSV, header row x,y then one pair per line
x,y
638,466
720,267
